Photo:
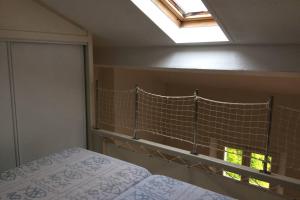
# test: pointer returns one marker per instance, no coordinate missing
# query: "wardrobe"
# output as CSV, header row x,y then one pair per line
x,y
42,100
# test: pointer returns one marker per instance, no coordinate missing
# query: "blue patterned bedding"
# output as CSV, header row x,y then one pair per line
x,y
72,174
79,174
165,188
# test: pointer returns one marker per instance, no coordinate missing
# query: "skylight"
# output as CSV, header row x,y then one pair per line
x,y
186,12
191,6
184,21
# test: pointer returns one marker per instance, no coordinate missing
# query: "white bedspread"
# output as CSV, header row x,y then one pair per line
x,y
72,174
78,174
165,188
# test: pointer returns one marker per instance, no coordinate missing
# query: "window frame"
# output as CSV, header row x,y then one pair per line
x,y
177,15
228,153
253,159
251,181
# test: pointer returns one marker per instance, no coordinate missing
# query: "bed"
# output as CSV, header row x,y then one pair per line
x,y
76,174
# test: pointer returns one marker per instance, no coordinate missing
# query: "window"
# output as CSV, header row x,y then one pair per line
x,y
184,21
256,162
191,6
187,12
235,156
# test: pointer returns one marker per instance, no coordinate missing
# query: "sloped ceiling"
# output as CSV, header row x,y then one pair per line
x,y
120,23
260,21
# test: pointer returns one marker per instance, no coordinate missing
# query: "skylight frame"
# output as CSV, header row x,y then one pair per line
x,y
182,19
180,34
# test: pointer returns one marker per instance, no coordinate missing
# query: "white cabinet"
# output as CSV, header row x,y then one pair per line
x,y
49,94
7,149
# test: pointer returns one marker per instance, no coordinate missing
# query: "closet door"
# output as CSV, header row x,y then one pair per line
x,y
7,153
50,98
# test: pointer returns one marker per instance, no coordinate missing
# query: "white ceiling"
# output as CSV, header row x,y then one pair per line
x,y
120,23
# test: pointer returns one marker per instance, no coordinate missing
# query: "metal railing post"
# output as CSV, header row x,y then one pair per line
x,y
195,130
97,113
270,116
136,98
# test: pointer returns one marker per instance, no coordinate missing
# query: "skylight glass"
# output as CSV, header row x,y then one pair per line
x,y
178,33
190,6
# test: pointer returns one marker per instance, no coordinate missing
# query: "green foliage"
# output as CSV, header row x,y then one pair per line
x,y
257,182
234,156
256,162
232,175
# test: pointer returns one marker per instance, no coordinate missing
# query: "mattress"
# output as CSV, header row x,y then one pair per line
x,y
79,174
165,188
71,174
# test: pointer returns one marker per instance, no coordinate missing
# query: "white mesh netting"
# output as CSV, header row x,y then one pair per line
x,y
235,125
208,123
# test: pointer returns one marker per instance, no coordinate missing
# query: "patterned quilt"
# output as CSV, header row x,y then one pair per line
x,y
79,174
72,174
165,188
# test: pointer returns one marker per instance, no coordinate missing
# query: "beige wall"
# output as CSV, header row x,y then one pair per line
x,y
122,79
232,87
251,88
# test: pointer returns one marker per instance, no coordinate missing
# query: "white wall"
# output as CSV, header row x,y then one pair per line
x,y
280,58
7,137
32,21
